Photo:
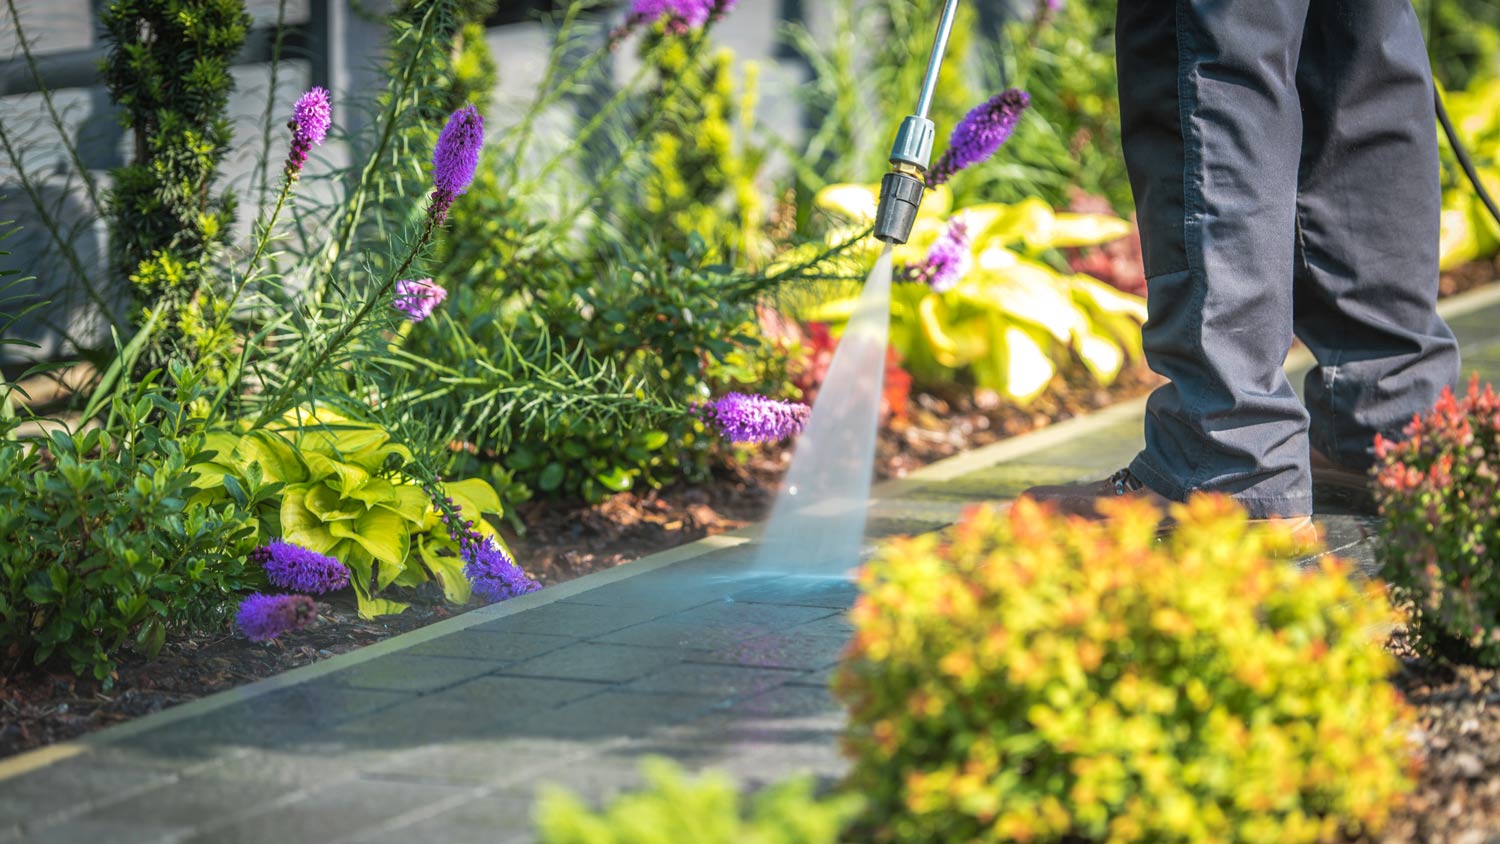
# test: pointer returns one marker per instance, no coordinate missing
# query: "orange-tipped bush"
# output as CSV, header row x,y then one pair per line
x,y
1439,495
1026,677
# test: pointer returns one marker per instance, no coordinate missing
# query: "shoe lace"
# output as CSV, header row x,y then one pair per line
x,y
1123,481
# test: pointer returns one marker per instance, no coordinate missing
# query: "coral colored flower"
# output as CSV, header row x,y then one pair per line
x,y
262,618
949,259
492,574
455,158
311,117
418,298
979,134
296,568
744,418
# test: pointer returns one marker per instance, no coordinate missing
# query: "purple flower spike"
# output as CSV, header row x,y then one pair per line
x,y
311,118
979,134
455,159
264,617
679,17
418,298
296,568
949,259
744,418
492,574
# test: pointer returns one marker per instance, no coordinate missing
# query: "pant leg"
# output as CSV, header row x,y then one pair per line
x,y
1212,132
1367,210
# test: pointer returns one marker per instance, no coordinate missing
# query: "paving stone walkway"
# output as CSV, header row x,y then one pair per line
x,y
447,733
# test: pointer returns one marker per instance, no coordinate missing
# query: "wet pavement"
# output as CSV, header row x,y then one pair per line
x,y
447,733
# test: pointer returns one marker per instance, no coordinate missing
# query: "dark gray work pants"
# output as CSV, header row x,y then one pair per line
x,y
1284,161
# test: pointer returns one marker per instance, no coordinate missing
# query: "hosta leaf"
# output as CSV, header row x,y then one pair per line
x,y
381,533
449,571
475,495
277,459
1028,367
1101,355
300,525
329,506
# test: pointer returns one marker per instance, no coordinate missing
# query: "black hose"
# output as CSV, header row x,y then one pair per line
x,y
1463,155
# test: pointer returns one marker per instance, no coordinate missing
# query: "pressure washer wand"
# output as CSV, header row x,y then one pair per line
x,y
901,190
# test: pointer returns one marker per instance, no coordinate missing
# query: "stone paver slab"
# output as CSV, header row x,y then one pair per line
x,y
617,714
803,591
490,645
1007,480
565,618
412,673
598,661
476,761
341,811
493,818
780,650
71,787
464,709
723,681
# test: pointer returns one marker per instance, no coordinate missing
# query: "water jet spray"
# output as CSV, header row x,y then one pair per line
x,y
901,190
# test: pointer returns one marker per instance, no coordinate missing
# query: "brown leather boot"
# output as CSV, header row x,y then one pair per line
x,y
1335,484
1080,499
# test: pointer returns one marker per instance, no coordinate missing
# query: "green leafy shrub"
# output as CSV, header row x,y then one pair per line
x,y
1439,495
701,166
1032,678
1468,230
168,70
335,486
102,544
708,810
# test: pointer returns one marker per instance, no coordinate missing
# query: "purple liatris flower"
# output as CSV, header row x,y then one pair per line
x,y
744,418
678,16
492,574
418,298
264,617
979,134
949,259
296,568
455,159
311,118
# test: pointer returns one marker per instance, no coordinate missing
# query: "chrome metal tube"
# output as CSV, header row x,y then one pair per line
x,y
935,60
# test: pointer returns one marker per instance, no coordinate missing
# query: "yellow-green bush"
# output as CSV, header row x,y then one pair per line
x,y
1030,678
707,810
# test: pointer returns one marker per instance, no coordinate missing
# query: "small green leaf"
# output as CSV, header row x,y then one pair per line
x,y
551,477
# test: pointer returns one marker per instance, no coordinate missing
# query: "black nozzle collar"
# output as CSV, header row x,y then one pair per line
x,y
900,197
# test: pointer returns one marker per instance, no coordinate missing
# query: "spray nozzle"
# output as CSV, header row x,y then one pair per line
x,y
901,190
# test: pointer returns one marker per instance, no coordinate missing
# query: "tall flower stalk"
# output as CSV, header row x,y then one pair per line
x,y
454,161
311,118
979,134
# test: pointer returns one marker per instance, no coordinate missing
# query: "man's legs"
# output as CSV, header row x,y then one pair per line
x,y
1367,214
1213,128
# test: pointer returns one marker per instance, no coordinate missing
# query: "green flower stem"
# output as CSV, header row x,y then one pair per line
x,y
343,241
260,250
303,366
262,166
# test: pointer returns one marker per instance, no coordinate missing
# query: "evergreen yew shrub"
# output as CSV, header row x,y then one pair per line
x,y
1033,678
1439,496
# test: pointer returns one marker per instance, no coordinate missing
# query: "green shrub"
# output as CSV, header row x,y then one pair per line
x,y
101,544
708,810
1439,497
168,70
1031,678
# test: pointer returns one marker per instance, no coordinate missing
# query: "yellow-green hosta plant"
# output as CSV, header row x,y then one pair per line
x,y
985,303
1468,230
340,492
